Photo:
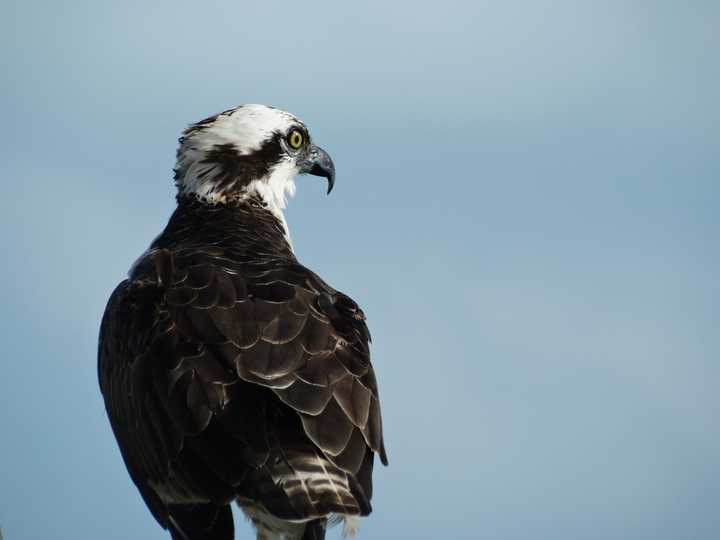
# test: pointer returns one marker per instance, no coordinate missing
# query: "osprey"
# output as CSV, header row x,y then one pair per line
x,y
230,372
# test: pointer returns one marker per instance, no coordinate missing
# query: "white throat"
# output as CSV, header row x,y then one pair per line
x,y
275,189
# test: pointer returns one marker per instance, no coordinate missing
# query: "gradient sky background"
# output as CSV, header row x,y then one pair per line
x,y
527,207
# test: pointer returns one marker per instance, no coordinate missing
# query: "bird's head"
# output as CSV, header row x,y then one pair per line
x,y
248,150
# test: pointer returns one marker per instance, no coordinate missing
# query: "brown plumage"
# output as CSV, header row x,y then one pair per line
x,y
232,372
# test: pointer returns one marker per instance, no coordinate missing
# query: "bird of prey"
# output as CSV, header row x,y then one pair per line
x,y
231,372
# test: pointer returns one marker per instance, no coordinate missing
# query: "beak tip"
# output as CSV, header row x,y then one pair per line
x,y
320,164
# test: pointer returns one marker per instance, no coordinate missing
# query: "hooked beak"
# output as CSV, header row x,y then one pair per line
x,y
318,163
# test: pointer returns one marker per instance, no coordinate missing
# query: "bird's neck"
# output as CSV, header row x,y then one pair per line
x,y
237,227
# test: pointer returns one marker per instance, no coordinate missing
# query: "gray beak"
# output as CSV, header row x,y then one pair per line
x,y
318,163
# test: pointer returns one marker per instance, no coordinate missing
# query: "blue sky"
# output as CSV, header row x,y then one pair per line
x,y
526,207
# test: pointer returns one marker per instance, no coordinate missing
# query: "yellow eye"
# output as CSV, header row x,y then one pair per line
x,y
295,139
